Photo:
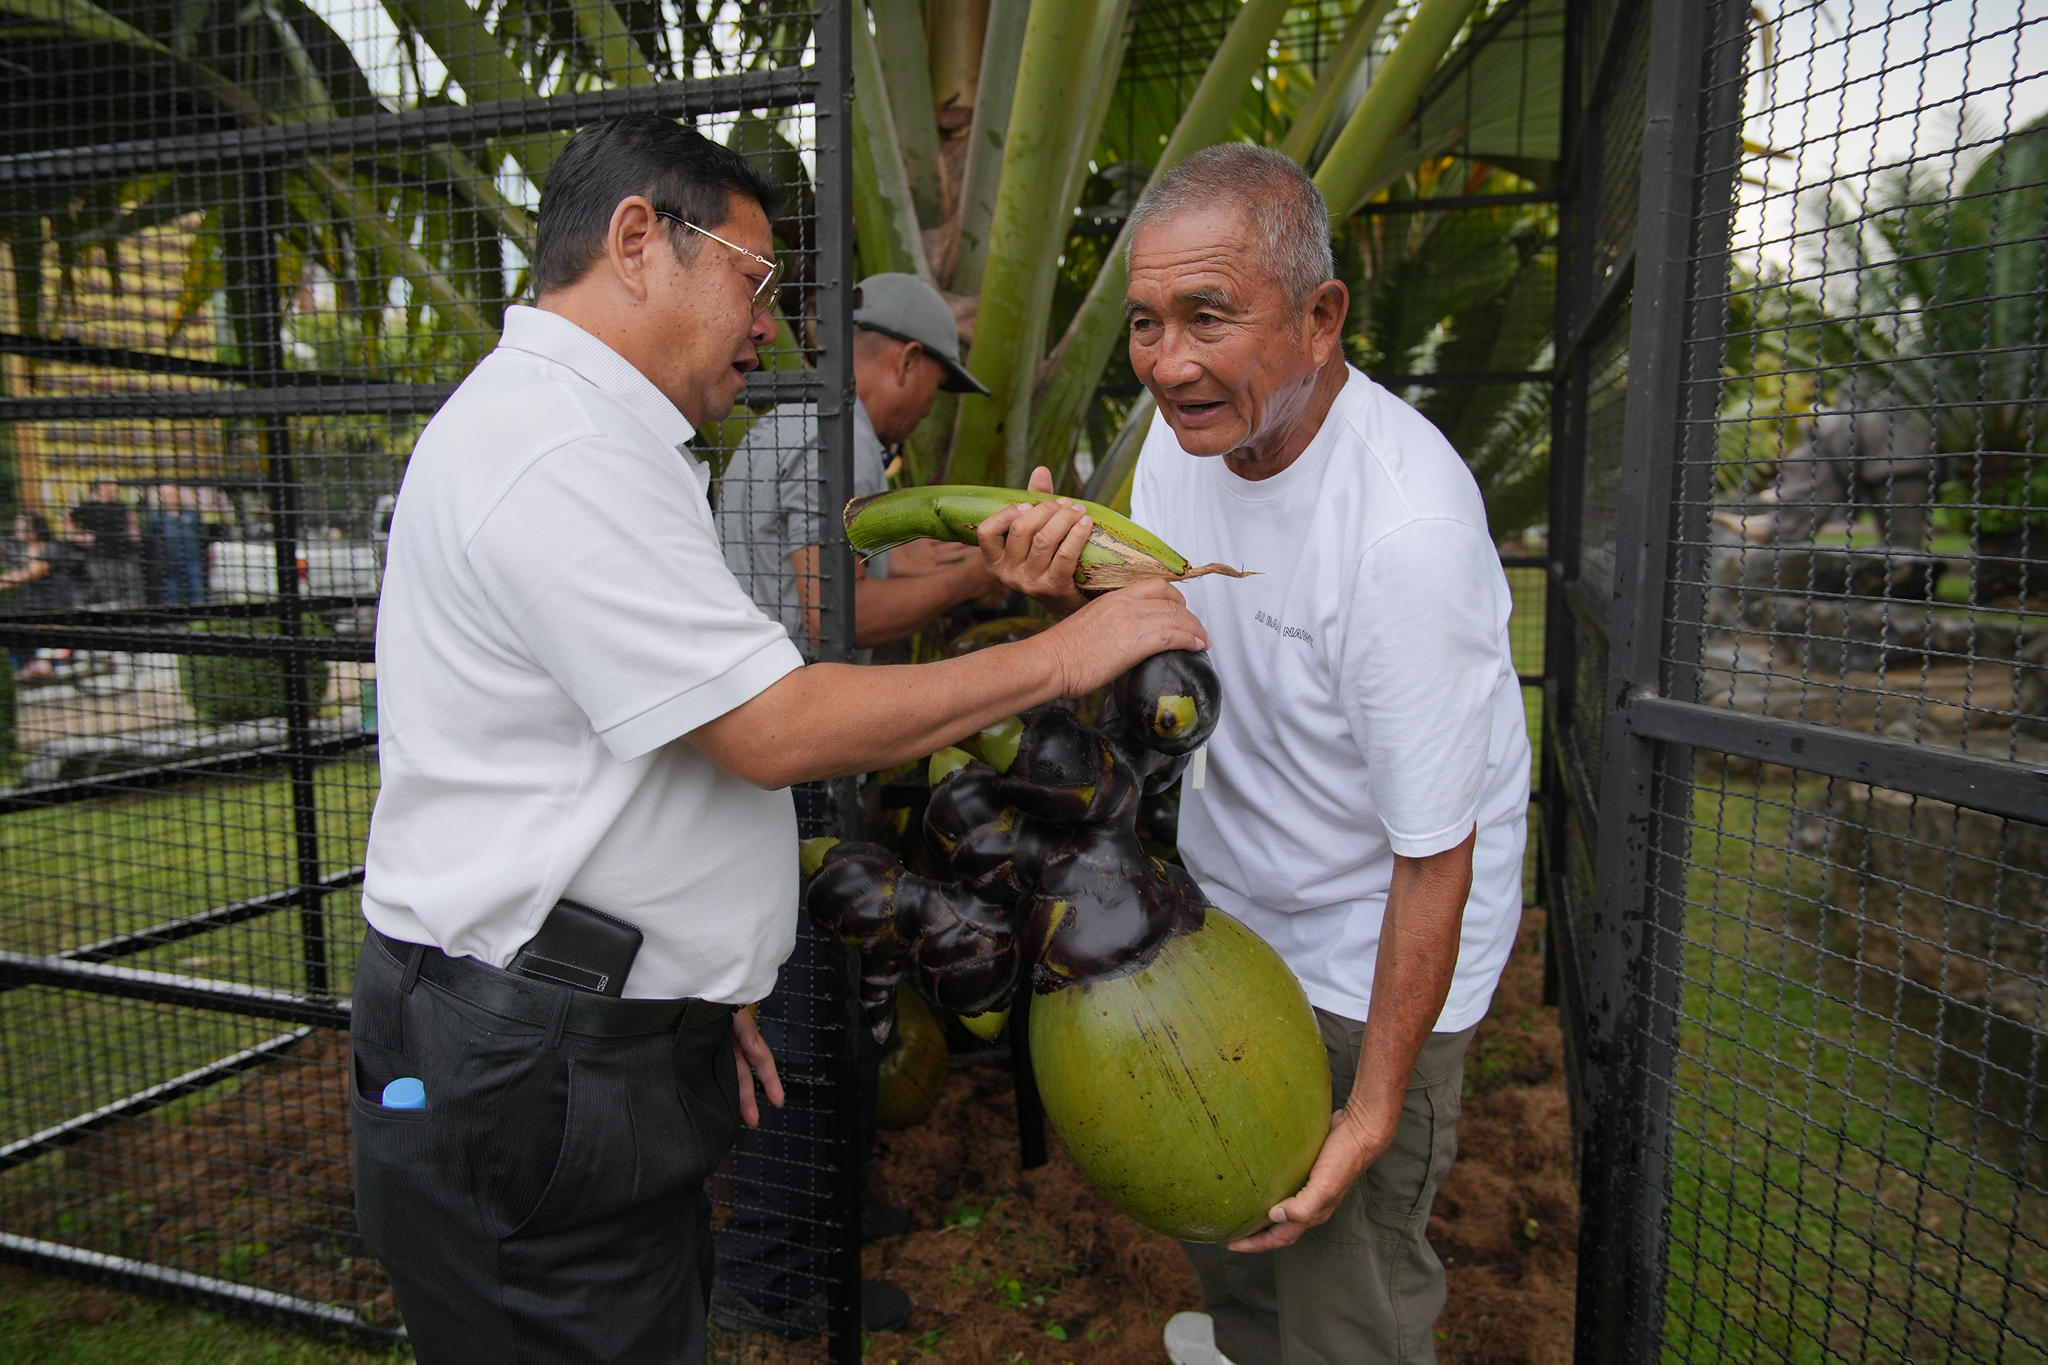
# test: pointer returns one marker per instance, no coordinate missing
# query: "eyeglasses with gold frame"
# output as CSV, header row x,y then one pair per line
x,y
764,292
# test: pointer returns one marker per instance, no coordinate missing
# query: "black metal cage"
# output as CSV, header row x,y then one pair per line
x,y
249,254
1796,697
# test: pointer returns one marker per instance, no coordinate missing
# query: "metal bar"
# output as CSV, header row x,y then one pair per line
x,y
185,1286
1719,154
330,400
155,617
833,113
1110,226
60,351
1450,203
16,799
326,400
1571,805
1613,291
1031,1153
1454,379
1996,786
336,649
171,988
206,921
266,208
416,127
142,1101
1613,44
1632,1002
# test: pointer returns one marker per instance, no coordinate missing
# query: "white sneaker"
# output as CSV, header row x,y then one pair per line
x,y
1191,1340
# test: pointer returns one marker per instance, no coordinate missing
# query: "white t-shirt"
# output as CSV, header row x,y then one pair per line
x,y
1370,705
556,615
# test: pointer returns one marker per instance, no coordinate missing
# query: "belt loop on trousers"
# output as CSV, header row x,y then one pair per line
x,y
416,952
559,1019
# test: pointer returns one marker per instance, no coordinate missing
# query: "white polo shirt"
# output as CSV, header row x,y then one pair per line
x,y
1370,705
556,614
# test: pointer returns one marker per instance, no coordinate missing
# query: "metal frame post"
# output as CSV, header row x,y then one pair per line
x,y
1633,1003
287,532
835,280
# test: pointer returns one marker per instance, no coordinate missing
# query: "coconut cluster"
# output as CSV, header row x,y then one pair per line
x,y
1047,876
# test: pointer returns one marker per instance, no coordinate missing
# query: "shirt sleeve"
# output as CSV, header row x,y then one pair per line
x,y
798,492
606,566
1422,664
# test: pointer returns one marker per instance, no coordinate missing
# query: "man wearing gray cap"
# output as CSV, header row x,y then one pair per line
x,y
771,1251
905,350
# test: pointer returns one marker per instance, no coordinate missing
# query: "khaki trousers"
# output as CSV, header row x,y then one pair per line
x,y
1365,1286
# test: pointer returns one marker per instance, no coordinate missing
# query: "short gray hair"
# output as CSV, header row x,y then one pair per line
x,y
1283,205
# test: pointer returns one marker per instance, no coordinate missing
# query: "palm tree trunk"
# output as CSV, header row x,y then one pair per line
x,y
1348,169
885,218
1002,46
1052,120
899,43
1082,352
1307,130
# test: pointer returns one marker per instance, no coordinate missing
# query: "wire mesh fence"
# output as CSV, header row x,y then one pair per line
x,y
1795,652
248,255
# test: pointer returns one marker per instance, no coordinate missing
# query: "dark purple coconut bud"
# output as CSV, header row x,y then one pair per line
x,y
1104,908
1171,702
966,948
1068,773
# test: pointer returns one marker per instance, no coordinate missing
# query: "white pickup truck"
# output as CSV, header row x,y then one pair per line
x,y
246,570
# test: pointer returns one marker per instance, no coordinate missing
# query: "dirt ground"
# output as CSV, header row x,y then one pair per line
x,y
1033,1266
1006,1266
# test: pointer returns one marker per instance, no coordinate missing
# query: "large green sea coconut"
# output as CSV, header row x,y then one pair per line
x,y
1194,1093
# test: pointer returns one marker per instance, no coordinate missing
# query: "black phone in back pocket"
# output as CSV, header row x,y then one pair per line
x,y
581,948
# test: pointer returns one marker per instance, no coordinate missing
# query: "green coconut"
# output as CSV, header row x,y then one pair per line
x,y
1193,1092
913,1071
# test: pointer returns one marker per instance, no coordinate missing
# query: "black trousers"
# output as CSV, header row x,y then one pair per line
x,y
548,1205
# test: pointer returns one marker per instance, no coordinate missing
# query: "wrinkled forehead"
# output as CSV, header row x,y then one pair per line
x,y
1204,255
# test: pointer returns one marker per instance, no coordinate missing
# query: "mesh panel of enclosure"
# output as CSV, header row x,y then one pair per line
x,y
248,252
1798,527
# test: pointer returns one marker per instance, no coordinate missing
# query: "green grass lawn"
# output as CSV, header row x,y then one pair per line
x,y
1827,1201
76,873
45,1320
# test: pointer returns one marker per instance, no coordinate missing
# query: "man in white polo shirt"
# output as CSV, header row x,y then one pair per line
x,y
1365,796
583,854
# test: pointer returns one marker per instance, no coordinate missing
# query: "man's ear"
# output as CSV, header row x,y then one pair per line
x,y
1326,314
908,355
627,240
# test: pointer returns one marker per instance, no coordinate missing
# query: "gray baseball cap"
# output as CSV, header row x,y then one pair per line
x,y
905,307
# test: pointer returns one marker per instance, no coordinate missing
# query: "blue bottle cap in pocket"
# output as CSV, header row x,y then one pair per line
x,y
407,1092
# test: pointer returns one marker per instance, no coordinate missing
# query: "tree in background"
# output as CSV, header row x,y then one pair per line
x,y
981,127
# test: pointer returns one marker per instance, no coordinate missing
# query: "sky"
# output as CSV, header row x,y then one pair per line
x,y
1856,88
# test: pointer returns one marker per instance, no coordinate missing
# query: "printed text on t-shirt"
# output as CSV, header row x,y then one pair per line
x,y
1286,632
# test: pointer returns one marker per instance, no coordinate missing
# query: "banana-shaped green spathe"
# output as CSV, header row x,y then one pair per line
x,y
1119,551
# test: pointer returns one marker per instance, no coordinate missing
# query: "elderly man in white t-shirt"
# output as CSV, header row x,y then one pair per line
x,y
1365,795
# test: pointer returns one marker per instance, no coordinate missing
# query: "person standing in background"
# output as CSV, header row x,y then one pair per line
x,y
179,538
772,1251
113,545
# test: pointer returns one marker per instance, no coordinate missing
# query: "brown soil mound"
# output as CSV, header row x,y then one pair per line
x,y
1034,1266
